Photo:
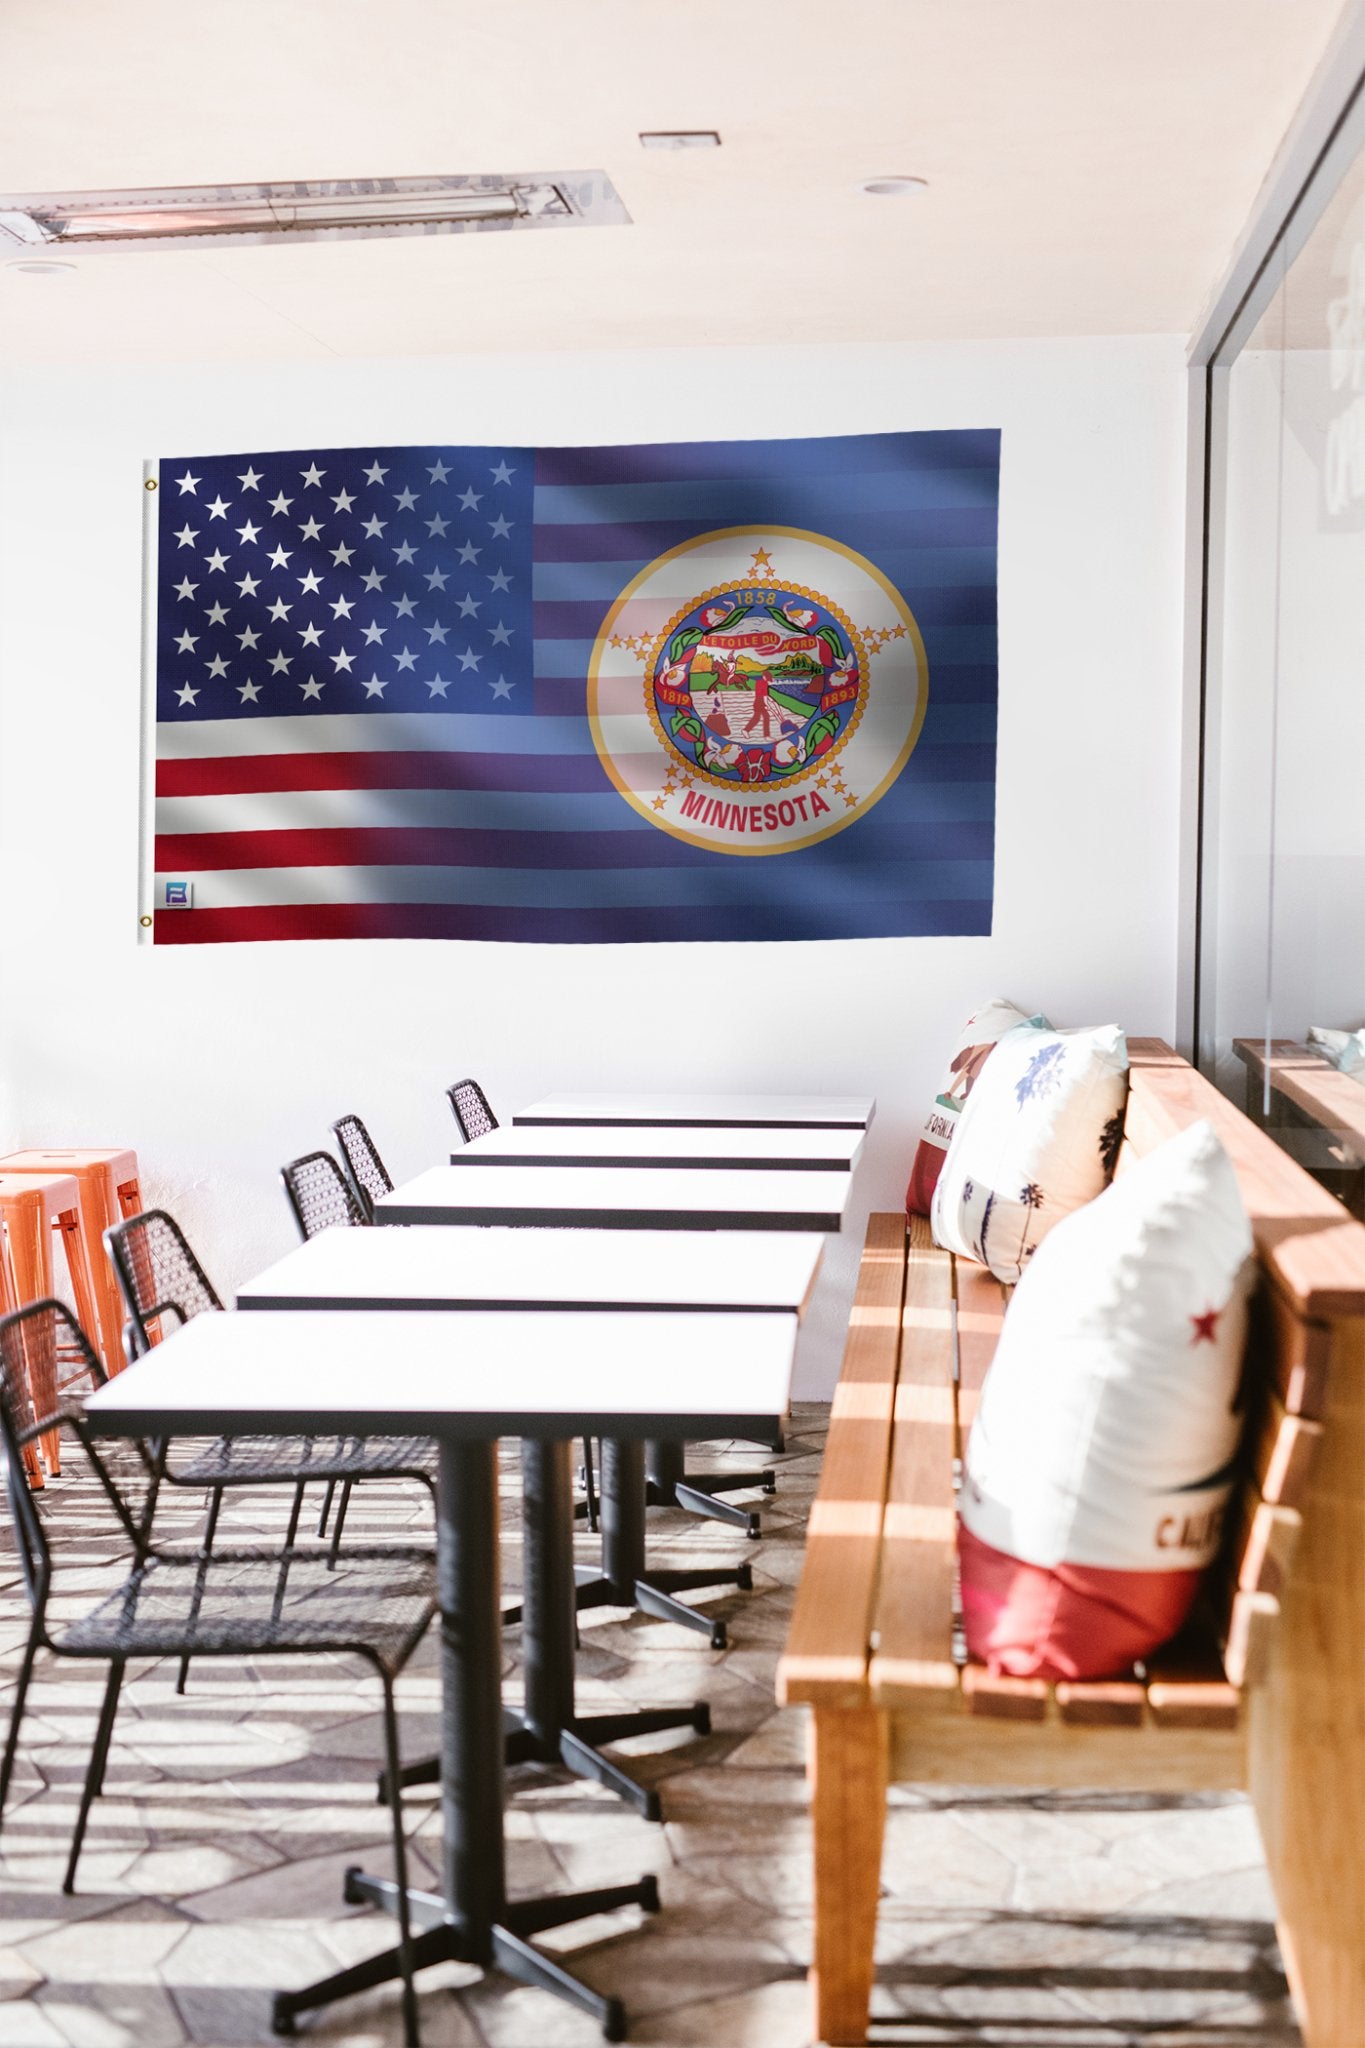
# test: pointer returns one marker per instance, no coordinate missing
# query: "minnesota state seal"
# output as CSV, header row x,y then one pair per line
x,y
756,689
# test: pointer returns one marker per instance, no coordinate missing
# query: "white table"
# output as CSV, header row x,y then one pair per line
x,y
679,1272
441,1266
542,1375
714,1147
619,1198
686,1112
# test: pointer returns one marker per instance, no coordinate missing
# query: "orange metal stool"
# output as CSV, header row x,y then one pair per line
x,y
32,1206
107,1180
9,1301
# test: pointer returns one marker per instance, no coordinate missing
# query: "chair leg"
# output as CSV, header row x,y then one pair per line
x,y
292,1527
94,1777
589,1484
411,2037
340,1523
16,1715
206,1545
324,1517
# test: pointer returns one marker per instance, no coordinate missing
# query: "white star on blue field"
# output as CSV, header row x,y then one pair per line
x,y
345,580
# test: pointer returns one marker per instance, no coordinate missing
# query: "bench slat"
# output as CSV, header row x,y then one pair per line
x,y
1187,1686
981,1304
825,1660
1251,1632
1004,1699
1290,1350
914,1614
1263,1544
1098,1703
1282,1451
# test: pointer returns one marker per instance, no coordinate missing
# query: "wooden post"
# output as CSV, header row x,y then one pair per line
x,y
848,1776
1307,1759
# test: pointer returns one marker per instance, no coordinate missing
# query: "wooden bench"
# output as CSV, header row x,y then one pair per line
x,y
1266,1691
1315,1110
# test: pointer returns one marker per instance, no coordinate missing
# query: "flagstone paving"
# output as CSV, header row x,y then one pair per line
x,y
213,1867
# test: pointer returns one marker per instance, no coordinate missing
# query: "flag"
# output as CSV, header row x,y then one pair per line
x,y
711,690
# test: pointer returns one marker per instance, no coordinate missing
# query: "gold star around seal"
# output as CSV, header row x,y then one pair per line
x,y
659,802
762,562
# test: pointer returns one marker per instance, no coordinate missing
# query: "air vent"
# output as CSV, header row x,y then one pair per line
x,y
346,209
679,138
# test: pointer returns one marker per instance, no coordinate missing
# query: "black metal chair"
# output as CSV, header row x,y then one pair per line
x,y
161,1279
469,1107
320,1194
321,1198
228,1603
369,1176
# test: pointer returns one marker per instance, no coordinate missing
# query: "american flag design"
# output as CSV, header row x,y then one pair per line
x,y
373,670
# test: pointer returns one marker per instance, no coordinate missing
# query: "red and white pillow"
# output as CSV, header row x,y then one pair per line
x,y
974,1045
1101,1460
1038,1136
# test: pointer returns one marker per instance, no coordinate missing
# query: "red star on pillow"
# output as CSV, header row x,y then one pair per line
x,y
1205,1326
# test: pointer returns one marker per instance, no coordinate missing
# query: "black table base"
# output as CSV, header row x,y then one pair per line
x,y
549,1728
625,1580
437,1939
668,1484
471,1919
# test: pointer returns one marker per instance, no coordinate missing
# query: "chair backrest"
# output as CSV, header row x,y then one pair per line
x,y
318,1194
369,1175
158,1274
469,1105
48,1329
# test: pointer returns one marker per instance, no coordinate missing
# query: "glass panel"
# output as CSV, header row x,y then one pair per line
x,y
1285,826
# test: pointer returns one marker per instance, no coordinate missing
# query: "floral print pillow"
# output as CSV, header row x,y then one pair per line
x,y
1038,1136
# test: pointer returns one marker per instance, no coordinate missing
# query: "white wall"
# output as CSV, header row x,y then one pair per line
x,y
218,1063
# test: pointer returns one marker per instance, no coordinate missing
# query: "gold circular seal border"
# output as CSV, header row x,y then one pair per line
x,y
811,767
740,533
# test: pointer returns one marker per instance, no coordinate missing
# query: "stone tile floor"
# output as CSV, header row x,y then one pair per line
x,y
212,1870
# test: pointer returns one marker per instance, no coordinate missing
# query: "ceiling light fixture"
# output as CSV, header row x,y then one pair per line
x,y
352,209
679,138
36,267
894,187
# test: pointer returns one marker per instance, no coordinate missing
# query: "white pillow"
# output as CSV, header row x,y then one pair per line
x,y
1107,1427
1345,1049
1038,1136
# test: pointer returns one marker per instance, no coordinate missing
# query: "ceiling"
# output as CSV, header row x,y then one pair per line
x,y
1090,165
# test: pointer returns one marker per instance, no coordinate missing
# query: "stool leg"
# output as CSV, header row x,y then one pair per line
x,y
77,1248
103,1321
33,1277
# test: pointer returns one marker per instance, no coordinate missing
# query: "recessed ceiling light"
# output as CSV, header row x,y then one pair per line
x,y
39,269
333,209
893,188
679,138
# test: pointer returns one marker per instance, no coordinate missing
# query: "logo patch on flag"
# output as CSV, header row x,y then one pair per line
x,y
756,689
